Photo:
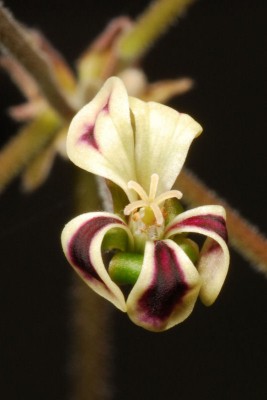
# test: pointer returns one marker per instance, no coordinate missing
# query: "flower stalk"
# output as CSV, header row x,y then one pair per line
x,y
91,336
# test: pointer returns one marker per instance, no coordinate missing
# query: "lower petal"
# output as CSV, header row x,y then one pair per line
x,y
212,267
167,288
214,257
81,240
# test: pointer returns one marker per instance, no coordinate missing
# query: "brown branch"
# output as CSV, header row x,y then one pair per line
x,y
243,236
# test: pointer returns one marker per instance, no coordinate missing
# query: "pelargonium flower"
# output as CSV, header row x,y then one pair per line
x,y
141,147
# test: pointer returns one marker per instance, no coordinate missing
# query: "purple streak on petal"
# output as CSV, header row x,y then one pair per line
x,y
88,136
214,247
167,288
106,107
80,243
214,223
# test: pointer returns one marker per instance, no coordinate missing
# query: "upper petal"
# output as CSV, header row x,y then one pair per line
x,y
100,138
162,140
214,257
166,289
81,240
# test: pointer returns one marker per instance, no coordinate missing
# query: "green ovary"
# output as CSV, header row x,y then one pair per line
x,y
124,268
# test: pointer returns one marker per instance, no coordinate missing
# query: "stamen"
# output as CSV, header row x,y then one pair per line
x,y
153,186
138,189
157,212
150,201
168,195
133,206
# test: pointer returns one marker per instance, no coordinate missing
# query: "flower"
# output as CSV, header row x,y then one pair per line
x,y
141,147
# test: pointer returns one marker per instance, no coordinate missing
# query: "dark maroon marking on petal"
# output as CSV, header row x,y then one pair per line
x,y
88,136
80,244
210,222
167,288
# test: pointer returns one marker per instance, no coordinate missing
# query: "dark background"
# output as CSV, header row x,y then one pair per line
x,y
219,352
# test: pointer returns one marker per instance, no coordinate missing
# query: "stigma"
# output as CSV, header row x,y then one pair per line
x,y
150,202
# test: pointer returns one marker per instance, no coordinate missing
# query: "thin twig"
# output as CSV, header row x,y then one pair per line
x,y
23,147
149,26
243,236
14,39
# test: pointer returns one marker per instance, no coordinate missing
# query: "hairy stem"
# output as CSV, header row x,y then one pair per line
x,y
244,237
91,331
150,25
14,39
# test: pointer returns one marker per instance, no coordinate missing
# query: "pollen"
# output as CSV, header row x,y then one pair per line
x,y
150,201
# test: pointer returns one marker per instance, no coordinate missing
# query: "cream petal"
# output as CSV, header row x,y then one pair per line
x,y
162,140
167,287
214,257
81,241
100,138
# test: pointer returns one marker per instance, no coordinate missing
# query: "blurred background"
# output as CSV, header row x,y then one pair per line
x,y
219,352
